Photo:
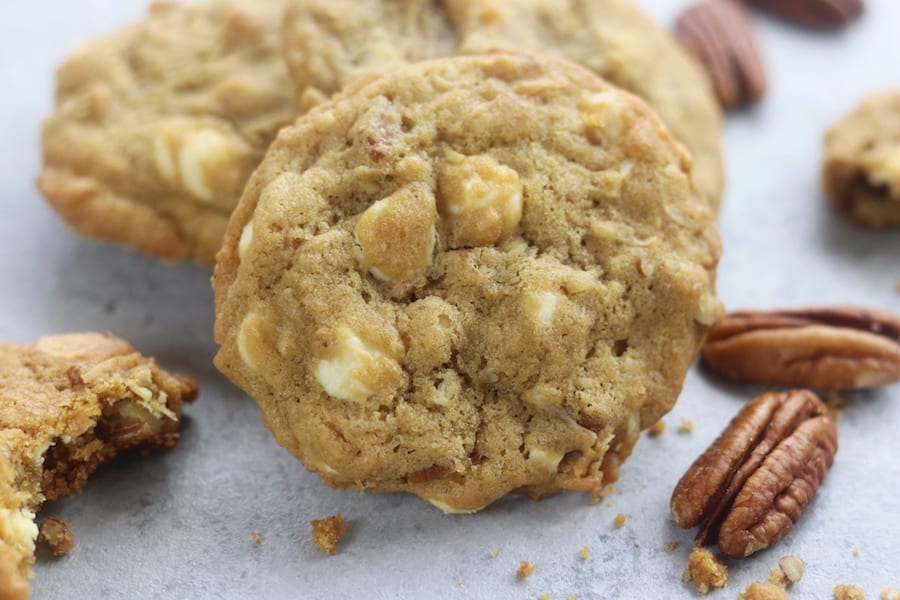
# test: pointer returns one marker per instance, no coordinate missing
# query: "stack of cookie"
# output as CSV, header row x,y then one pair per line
x,y
479,261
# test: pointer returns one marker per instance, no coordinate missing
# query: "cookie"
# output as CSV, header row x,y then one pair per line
x,y
467,277
69,403
159,125
330,42
861,171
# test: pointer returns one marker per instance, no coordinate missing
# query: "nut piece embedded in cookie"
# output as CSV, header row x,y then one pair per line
x,y
827,348
69,403
424,303
755,481
861,170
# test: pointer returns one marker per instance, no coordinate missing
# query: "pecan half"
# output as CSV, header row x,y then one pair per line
x,y
720,34
827,348
757,478
825,14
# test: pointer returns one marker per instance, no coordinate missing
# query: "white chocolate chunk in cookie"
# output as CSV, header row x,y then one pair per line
x,y
195,159
253,340
355,371
546,458
396,235
17,527
540,307
605,114
245,241
481,198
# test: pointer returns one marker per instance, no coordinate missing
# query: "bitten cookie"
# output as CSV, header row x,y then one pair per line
x,y
471,276
861,173
159,125
69,403
329,42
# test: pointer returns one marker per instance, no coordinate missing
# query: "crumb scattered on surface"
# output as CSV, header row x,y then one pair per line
x,y
328,532
257,539
763,591
777,577
849,592
657,428
792,567
495,552
584,553
604,491
856,551
526,569
705,570
619,520
637,543
544,597
55,533
670,546
890,594
685,426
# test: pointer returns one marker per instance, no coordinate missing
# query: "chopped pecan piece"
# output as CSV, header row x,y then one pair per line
x,y
757,478
827,348
720,34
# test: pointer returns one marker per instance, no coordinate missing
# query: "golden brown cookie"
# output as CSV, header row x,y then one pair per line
x,y
468,277
861,174
159,125
330,42
69,403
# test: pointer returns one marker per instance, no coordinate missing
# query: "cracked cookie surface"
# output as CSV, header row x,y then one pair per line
x,y
69,403
330,42
158,126
861,174
471,276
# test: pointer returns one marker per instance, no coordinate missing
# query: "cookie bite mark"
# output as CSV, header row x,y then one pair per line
x,y
396,235
354,370
480,198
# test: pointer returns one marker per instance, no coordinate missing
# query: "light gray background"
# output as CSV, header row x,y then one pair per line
x,y
178,525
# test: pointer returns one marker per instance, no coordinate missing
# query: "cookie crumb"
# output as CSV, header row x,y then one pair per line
x,y
328,532
849,592
890,594
856,551
657,428
55,533
686,426
619,520
792,567
584,553
670,546
495,552
544,597
777,577
763,591
705,570
526,569
256,538
637,543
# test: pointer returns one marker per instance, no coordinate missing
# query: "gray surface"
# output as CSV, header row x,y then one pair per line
x,y
178,525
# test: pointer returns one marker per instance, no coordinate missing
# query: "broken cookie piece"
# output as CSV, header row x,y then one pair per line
x,y
68,404
327,532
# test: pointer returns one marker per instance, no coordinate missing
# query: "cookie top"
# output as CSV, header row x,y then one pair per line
x,y
470,276
67,404
159,125
861,171
330,42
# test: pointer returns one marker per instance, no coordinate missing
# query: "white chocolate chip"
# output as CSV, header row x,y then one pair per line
x,y
17,527
246,240
604,114
540,307
355,369
447,508
253,339
202,153
709,309
481,198
547,459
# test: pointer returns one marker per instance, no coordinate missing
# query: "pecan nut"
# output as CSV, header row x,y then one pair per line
x,y
827,348
825,14
757,478
720,34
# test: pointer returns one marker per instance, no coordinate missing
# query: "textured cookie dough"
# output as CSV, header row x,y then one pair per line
x,y
331,42
861,173
68,404
472,276
159,125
